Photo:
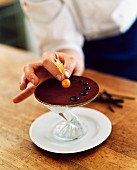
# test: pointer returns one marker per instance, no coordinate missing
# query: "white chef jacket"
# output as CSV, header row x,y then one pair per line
x,y
60,24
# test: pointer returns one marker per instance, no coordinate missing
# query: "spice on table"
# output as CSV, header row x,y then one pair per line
x,y
112,99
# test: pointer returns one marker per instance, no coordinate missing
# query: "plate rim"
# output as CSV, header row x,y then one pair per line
x,y
109,124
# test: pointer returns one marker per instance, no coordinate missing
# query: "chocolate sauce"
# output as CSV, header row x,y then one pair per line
x,y
52,92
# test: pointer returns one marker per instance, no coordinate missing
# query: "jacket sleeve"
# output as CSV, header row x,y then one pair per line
x,y
53,25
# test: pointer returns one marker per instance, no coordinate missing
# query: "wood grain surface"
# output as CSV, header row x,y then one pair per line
x,y
118,152
5,2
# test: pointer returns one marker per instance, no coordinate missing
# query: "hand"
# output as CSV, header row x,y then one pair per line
x,y
34,73
38,72
73,63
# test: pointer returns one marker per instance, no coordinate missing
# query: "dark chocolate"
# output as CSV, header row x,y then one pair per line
x,y
52,92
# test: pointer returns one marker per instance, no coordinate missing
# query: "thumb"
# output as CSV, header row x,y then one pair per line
x,y
69,67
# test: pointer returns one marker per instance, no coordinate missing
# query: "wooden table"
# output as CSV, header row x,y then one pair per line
x,y
6,2
118,152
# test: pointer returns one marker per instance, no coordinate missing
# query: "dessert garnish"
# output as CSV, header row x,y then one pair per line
x,y
59,66
85,84
66,82
87,88
74,98
84,93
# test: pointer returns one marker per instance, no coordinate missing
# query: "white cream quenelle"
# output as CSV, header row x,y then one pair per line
x,y
75,20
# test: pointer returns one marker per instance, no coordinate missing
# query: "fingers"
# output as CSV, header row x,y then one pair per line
x,y
30,75
69,66
80,67
23,82
48,63
66,59
25,94
78,71
73,64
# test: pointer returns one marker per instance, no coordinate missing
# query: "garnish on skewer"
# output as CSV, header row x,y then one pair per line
x,y
66,82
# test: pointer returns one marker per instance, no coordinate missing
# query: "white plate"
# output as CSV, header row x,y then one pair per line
x,y
99,128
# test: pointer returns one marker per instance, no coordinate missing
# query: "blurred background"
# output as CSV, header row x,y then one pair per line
x,y
14,27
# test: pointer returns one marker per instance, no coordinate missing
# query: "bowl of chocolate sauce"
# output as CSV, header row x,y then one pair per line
x,y
82,91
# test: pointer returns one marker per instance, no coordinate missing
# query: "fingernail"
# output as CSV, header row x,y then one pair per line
x,y
58,77
67,74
